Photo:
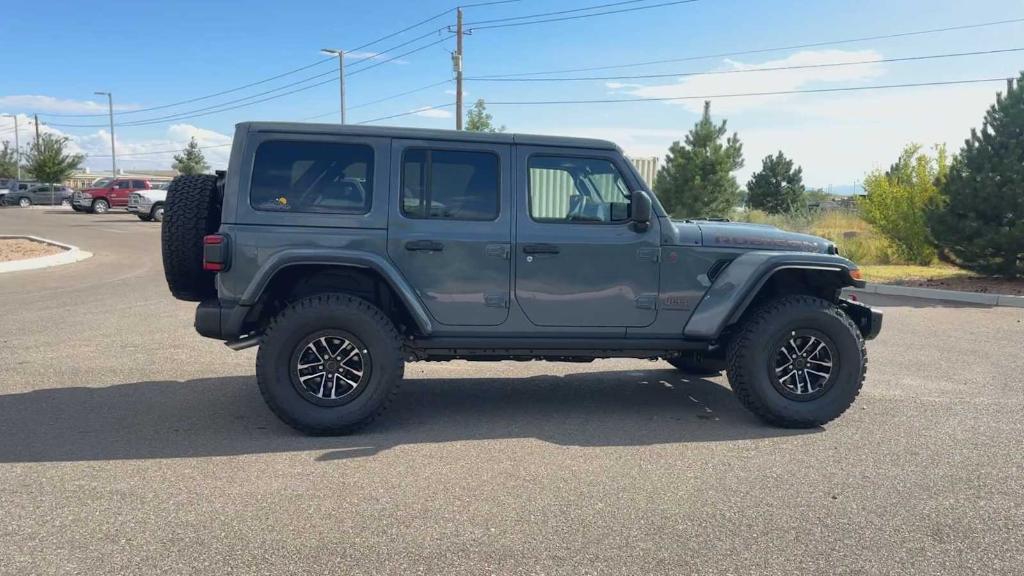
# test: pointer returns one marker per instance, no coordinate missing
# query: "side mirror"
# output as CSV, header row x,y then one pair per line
x,y
640,210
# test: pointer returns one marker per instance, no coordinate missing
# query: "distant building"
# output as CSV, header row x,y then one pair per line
x,y
647,167
84,178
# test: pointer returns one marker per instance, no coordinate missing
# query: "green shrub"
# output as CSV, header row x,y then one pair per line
x,y
898,200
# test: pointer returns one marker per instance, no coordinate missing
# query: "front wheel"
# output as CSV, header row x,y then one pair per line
x,y
797,362
329,364
157,214
100,206
24,202
143,217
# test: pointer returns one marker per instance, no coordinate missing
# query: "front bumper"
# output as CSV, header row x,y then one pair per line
x,y
867,319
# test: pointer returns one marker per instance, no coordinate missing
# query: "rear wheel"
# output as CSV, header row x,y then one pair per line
x,y
100,206
193,211
329,364
797,362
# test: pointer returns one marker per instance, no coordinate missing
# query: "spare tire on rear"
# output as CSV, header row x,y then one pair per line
x,y
192,210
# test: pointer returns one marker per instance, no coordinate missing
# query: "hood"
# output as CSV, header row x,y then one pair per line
x,y
758,237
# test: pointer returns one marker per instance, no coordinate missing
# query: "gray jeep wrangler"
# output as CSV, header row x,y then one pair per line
x,y
344,252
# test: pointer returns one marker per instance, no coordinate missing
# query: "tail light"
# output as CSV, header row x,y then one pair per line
x,y
215,252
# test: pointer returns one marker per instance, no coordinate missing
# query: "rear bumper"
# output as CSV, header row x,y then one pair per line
x,y
867,319
219,321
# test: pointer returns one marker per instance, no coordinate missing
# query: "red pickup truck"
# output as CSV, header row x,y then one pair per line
x,y
107,193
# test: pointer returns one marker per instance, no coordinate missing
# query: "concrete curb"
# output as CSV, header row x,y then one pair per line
x,y
947,295
69,255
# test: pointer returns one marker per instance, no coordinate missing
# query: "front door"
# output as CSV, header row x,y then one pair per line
x,y
580,261
450,227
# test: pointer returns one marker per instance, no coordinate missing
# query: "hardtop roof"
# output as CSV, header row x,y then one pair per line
x,y
428,134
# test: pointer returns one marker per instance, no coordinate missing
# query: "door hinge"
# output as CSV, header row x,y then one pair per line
x,y
646,302
650,254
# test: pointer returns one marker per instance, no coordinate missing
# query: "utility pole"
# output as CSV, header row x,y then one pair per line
x,y
457,62
113,151
17,144
35,118
341,75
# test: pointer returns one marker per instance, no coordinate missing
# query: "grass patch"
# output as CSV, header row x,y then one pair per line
x,y
897,273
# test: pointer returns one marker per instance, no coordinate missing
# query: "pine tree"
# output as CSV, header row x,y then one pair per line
x,y
8,161
697,180
191,159
778,188
479,120
980,216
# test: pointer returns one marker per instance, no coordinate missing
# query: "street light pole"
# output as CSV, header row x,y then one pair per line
x,y
17,143
341,75
113,151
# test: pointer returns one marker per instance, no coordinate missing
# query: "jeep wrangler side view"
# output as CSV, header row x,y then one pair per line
x,y
344,252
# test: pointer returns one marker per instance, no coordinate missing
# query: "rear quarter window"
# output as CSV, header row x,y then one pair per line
x,y
312,177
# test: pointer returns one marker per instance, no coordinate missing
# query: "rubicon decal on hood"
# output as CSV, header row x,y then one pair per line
x,y
762,242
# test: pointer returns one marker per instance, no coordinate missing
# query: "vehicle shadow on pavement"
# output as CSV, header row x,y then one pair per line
x,y
226,416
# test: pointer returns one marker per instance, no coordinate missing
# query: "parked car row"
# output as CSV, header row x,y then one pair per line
x,y
24,194
137,196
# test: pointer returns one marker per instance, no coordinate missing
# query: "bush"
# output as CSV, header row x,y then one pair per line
x,y
897,202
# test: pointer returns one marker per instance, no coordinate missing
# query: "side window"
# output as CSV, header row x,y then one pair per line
x,y
449,184
314,177
138,184
580,190
123,184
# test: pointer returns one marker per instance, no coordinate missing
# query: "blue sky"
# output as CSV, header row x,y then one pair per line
x,y
155,53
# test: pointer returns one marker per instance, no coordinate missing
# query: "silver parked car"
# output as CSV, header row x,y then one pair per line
x,y
40,194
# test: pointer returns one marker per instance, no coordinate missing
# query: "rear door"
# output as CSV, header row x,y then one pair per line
x,y
450,227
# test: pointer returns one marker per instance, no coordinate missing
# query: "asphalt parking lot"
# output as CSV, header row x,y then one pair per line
x,y
129,444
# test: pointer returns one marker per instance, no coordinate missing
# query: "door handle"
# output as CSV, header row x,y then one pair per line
x,y
424,245
540,249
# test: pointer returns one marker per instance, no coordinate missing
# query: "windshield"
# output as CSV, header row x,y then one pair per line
x,y
102,182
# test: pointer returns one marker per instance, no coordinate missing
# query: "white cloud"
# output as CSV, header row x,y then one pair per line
x,y
429,112
50,104
134,153
621,85
767,81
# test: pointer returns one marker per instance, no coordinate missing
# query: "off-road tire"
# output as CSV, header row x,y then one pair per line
x,y
751,350
698,367
193,207
305,317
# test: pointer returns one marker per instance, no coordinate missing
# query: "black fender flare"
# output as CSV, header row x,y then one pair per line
x,y
341,258
735,288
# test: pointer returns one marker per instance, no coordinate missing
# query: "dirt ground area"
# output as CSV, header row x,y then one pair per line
x,y
968,284
20,249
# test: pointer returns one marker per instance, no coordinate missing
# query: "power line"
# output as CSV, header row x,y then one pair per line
x,y
738,95
154,152
289,72
240,102
563,18
416,111
747,70
584,9
760,50
379,100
